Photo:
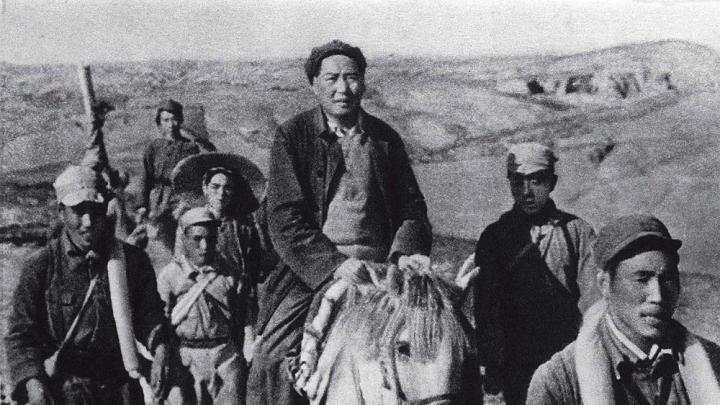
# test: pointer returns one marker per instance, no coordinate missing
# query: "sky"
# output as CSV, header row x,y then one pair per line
x,y
72,31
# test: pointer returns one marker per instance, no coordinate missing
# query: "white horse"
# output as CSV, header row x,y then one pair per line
x,y
400,340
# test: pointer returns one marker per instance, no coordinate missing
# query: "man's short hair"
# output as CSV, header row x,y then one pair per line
x,y
334,47
172,107
215,170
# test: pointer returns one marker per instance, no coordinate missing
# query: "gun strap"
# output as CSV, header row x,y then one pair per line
x,y
83,307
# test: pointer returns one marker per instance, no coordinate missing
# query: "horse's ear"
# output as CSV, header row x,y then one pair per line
x,y
394,280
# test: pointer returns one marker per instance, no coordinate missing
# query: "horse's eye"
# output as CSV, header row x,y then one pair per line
x,y
403,348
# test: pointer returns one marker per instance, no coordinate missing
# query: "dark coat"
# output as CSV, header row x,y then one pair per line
x,y
159,159
47,299
305,169
525,308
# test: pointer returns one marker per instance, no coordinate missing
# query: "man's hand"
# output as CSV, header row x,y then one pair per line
x,y
159,374
414,262
38,393
139,236
353,271
467,272
141,215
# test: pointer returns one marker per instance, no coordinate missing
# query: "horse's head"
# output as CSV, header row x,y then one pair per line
x,y
406,342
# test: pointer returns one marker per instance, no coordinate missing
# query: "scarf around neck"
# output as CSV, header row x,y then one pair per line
x,y
595,373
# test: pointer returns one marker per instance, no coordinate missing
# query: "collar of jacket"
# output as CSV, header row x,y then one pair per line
x,y
321,127
218,265
378,153
595,378
69,247
549,215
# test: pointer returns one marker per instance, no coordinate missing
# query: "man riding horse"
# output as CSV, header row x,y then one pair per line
x,y
340,190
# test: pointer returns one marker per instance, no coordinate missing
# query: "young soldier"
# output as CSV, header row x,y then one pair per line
x,y
203,296
535,276
62,341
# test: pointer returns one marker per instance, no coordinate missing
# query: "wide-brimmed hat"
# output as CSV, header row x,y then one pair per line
x,y
187,176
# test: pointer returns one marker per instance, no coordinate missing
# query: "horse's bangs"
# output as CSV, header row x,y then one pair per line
x,y
424,308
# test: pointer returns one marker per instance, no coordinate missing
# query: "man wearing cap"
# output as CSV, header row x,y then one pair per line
x,y
225,182
161,156
629,349
62,342
205,304
535,277
340,190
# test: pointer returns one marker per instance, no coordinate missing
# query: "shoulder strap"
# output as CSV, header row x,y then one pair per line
x,y
519,256
83,307
182,308
50,364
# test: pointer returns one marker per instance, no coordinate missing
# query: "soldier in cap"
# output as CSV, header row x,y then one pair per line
x,y
535,278
62,342
629,349
205,303
340,190
161,156
227,183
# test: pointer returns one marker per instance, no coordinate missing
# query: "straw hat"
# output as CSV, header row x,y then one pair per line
x,y
187,176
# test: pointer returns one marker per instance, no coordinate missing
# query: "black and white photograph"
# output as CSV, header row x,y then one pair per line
x,y
359,202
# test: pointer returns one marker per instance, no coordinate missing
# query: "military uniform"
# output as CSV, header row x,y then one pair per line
x,y
50,293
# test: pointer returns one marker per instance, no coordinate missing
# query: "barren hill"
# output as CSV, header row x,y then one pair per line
x,y
635,125
447,109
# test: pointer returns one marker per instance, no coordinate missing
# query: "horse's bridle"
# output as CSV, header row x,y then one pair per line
x,y
400,396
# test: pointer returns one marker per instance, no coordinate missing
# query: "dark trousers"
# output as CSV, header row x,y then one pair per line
x,y
517,383
73,390
268,380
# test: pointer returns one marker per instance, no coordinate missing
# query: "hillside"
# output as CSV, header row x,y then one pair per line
x,y
456,117
446,109
636,128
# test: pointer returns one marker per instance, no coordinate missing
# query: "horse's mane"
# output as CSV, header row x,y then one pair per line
x,y
420,303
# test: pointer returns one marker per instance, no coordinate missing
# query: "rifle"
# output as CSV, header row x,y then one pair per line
x,y
96,155
88,92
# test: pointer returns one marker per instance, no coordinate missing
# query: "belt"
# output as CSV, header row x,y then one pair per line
x,y
204,343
